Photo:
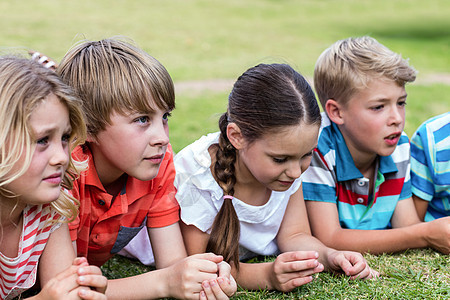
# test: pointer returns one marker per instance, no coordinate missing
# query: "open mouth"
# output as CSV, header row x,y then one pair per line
x,y
392,139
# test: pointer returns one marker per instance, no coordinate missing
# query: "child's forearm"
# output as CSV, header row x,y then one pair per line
x,y
255,276
150,285
379,241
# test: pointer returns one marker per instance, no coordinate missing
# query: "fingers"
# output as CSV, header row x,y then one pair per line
x,y
209,256
304,267
298,255
224,269
212,290
354,265
91,276
206,262
295,269
79,261
227,285
88,294
296,282
61,285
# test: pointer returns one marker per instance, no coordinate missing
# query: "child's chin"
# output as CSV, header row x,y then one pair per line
x,y
386,152
146,177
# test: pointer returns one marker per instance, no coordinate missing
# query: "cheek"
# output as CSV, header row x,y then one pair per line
x,y
166,130
305,164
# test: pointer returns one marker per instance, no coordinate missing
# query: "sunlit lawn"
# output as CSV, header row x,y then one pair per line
x,y
207,40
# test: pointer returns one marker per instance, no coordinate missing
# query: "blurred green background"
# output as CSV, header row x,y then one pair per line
x,y
206,45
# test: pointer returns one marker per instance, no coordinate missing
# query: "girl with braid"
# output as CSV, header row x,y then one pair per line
x,y
240,189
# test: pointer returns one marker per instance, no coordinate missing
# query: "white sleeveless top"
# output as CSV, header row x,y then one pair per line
x,y
200,198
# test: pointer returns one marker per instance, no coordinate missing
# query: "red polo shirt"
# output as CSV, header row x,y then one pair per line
x,y
104,226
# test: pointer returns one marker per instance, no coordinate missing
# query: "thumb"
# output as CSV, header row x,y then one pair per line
x,y
346,266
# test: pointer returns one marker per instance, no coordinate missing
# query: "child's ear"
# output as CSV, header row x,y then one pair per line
x,y
235,136
90,139
334,111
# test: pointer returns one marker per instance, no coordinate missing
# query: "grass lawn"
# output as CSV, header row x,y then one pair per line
x,y
414,274
218,40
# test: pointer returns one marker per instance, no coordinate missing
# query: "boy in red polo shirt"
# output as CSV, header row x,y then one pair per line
x,y
127,99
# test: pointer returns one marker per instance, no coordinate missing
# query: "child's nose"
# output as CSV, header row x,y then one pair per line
x,y
294,170
60,155
160,135
396,116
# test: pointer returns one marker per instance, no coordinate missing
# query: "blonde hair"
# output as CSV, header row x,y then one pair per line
x,y
114,75
348,65
23,85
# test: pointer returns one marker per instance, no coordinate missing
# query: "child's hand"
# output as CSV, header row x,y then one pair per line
x,y
293,269
438,234
353,264
184,278
221,288
91,277
64,286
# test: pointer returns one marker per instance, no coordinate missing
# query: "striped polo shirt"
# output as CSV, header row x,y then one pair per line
x,y
333,177
430,165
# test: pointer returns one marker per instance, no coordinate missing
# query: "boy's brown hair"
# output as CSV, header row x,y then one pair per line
x,y
348,65
113,75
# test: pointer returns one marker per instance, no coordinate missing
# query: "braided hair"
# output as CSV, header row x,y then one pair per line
x,y
264,99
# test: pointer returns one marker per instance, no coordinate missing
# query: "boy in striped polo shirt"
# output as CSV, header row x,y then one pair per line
x,y
430,168
358,185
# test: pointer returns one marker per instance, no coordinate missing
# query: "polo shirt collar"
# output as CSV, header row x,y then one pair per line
x,y
91,173
345,165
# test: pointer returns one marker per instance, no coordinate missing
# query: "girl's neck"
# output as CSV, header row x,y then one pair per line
x,y
10,211
11,227
247,188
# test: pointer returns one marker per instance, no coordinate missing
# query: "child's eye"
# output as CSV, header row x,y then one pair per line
x,y
279,160
42,141
378,107
402,103
309,154
166,116
142,120
66,137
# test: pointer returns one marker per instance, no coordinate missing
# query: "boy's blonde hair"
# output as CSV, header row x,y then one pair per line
x,y
23,85
113,75
348,65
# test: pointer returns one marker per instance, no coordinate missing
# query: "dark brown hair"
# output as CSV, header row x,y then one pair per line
x,y
264,99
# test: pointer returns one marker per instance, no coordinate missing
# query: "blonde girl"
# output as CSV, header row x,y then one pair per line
x,y
40,123
240,189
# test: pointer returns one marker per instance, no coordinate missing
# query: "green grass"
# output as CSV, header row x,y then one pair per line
x,y
413,274
203,40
